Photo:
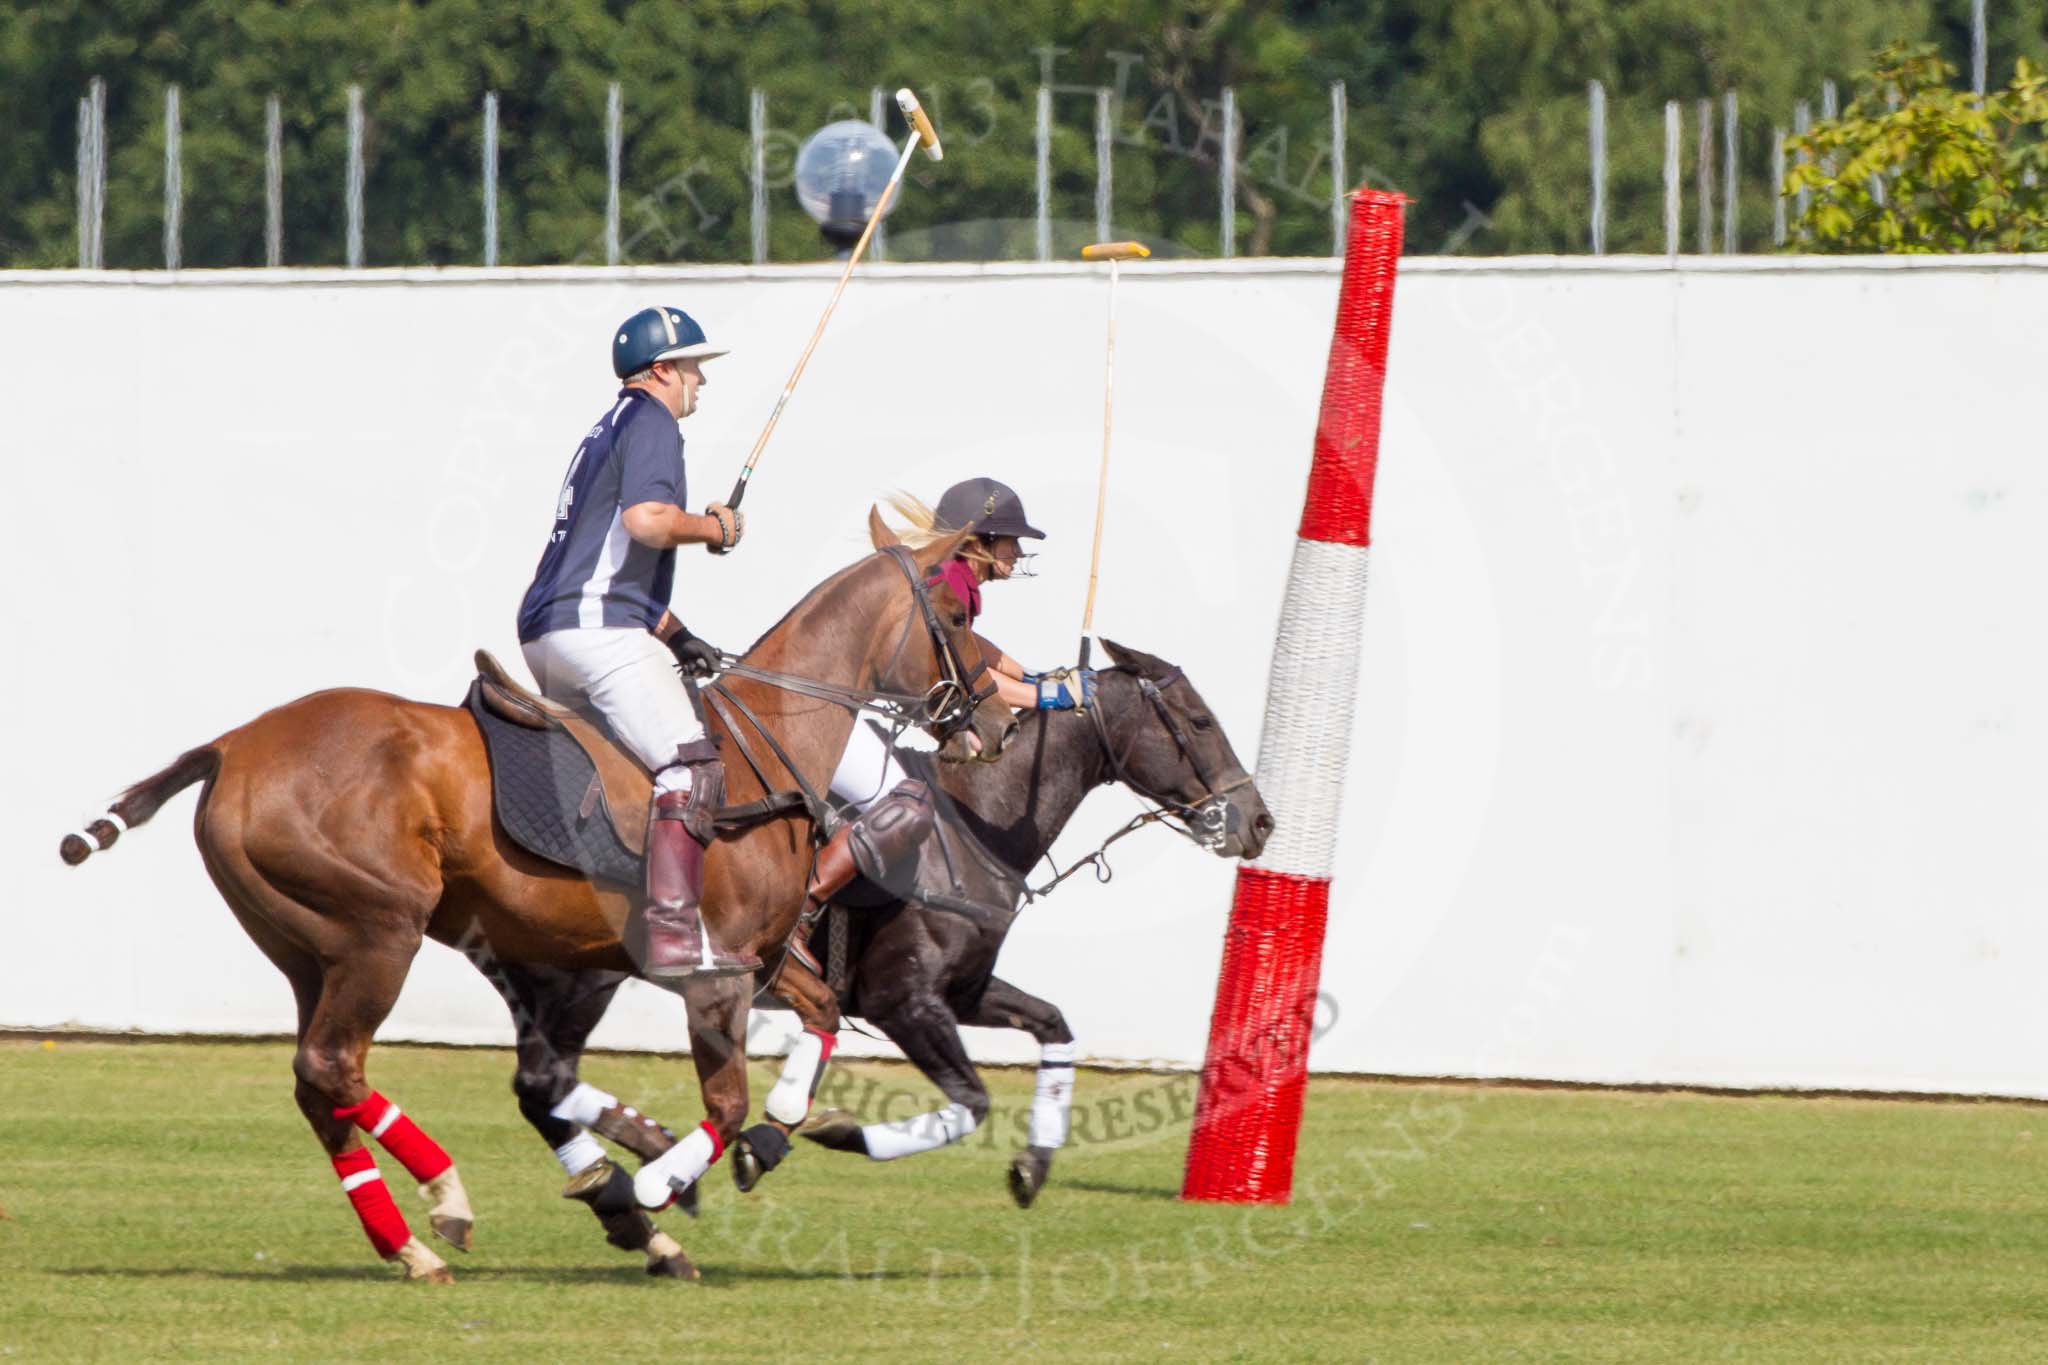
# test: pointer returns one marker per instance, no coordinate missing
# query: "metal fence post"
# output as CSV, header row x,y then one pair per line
x,y
1802,122
92,176
1731,225
1703,176
1777,186
1043,180
1340,131
490,177
1105,147
355,177
1980,57
614,118
1226,160
1596,151
174,180
757,124
273,182
878,114
1671,194
84,183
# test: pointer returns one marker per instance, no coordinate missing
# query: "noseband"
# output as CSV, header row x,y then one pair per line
x,y
1206,821
950,702
944,708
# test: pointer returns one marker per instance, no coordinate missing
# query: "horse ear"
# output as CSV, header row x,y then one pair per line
x,y
1137,660
878,530
939,551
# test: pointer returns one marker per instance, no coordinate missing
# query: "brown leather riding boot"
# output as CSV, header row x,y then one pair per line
x,y
832,873
677,944
882,837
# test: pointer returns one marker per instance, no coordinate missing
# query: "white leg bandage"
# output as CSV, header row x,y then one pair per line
x,y
680,1165
1054,1097
449,1199
583,1105
790,1100
924,1133
579,1154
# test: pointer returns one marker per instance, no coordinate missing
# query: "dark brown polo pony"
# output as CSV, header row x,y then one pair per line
x,y
344,827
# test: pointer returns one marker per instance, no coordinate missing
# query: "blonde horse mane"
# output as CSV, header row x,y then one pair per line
x,y
922,527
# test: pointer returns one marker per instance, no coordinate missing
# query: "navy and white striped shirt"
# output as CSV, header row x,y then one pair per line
x,y
593,573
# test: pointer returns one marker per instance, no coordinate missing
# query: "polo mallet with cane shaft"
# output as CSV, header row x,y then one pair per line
x,y
921,135
1113,252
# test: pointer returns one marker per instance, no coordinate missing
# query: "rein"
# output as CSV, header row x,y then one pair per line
x,y
943,708
1202,823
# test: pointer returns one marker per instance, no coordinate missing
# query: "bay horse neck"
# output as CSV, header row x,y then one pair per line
x,y
816,637
839,634
1017,806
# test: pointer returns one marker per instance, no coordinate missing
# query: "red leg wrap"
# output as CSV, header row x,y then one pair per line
x,y
365,1189
422,1157
717,1142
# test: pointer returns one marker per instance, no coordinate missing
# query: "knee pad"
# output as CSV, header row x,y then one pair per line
x,y
890,831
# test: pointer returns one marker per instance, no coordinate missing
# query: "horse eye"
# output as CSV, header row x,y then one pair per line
x,y
1202,723
959,619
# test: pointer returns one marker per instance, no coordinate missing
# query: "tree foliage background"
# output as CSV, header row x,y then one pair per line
x,y
1916,164
1475,109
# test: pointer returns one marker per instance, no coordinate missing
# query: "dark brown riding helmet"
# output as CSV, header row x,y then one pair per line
x,y
994,509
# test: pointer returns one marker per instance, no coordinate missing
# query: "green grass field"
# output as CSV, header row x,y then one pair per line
x,y
165,1201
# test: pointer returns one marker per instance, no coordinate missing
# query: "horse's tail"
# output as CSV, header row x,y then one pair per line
x,y
139,802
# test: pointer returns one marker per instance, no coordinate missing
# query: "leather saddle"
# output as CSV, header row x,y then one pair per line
x,y
562,789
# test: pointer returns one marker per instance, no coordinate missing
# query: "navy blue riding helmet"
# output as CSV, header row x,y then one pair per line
x,y
658,334
992,506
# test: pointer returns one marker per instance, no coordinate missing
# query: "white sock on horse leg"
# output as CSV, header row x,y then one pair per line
x,y
681,1165
579,1154
790,1100
583,1105
1054,1097
923,1133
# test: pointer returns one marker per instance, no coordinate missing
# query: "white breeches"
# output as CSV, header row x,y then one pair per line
x,y
631,679
868,770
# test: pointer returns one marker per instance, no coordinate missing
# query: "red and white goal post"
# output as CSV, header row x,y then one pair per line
x,y
1248,1112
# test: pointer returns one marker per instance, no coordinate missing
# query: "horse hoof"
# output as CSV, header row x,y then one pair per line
x,y
756,1152
746,1167
422,1265
673,1268
604,1186
1028,1170
454,1231
836,1129
450,1216
665,1258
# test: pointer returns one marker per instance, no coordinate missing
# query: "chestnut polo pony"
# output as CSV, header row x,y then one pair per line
x,y
346,826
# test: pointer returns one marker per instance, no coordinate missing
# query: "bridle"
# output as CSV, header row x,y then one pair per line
x,y
943,709
1205,822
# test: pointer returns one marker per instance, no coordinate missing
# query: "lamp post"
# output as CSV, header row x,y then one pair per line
x,y
841,171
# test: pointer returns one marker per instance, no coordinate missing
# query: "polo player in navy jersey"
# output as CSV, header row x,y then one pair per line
x,y
596,629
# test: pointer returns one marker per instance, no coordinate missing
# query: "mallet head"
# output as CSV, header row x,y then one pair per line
x,y
927,136
1115,251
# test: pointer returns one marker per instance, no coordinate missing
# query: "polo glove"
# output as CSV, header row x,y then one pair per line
x,y
1064,689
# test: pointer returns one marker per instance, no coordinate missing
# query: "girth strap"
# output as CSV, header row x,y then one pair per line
x,y
805,798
